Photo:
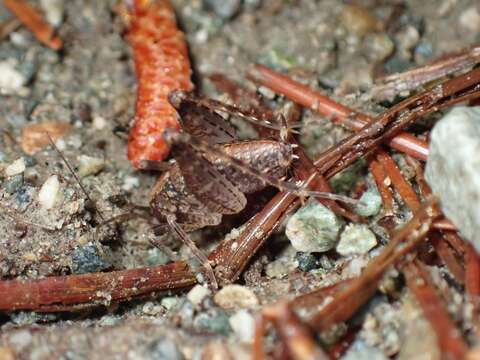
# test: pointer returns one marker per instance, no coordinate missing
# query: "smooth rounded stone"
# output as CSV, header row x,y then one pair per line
x,y
453,170
356,239
359,20
243,325
369,204
197,294
360,350
213,321
236,296
156,257
54,10
306,261
164,349
469,19
381,46
11,80
48,192
169,302
86,259
15,168
224,8
90,165
313,228
13,183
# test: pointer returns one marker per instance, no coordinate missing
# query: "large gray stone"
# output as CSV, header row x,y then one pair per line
x,y
453,169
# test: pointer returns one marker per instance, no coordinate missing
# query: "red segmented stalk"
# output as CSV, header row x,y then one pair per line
x,y
162,65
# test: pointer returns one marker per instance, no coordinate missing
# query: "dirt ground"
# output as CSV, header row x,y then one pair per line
x,y
91,85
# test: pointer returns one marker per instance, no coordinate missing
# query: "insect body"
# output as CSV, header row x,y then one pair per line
x,y
199,188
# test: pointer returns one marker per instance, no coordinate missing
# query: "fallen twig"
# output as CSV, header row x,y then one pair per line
x,y
30,17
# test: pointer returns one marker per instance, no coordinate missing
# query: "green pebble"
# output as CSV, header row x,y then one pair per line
x,y
313,228
215,321
157,257
369,204
13,183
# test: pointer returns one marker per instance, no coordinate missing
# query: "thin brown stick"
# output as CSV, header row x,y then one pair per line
x,y
34,22
449,337
296,337
401,185
8,27
392,85
338,113
64,291
382,181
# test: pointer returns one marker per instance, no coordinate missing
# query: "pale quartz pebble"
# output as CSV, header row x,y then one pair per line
x,y
53,10
15,168
313,228
49,192
11,80
360,350
356,239
453,169
469,19
236,296
99,122
359,20
243,324
197,294
130,182
90,165
34,137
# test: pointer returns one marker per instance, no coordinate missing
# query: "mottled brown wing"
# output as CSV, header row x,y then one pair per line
x,y
171,197
207,184
201,122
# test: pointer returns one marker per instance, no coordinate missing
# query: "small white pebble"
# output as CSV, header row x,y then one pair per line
x,y
11,80
48,192
53,11
236,296
60,144
130,182
470,19
243,324
89,165
99,122
198,294
16,167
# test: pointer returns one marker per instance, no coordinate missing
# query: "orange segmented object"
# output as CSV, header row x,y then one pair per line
x,y
162,65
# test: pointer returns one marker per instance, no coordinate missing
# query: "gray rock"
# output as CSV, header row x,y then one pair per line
x,y
356,239
369,204
453,170
213,321
224,8
164,349
313,228
362,351
86,259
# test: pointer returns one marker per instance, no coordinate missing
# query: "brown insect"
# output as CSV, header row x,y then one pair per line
x,y
212,170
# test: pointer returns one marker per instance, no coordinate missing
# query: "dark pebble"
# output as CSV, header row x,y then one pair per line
x,y
86,259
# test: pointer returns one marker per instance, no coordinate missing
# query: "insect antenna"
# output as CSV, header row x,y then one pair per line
x,y
74,174
218,106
